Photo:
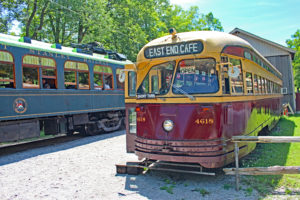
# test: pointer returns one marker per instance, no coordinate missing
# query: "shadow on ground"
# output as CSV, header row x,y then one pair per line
x,y
180,186
16,157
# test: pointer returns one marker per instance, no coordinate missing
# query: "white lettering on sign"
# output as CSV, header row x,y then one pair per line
x,y
174,49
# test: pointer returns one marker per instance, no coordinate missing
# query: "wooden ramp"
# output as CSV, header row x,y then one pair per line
x,y
135,168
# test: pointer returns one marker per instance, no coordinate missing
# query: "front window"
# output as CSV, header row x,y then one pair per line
x,y
196,76
158,80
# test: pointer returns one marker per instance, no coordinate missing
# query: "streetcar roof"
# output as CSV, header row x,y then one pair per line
x,y
213,41
43,46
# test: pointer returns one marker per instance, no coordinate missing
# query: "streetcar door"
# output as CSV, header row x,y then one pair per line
x,y
130,105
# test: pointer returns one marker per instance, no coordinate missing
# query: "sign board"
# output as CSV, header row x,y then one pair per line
x,y
183,48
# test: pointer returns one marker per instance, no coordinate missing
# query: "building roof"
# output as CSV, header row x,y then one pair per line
x,y
237,30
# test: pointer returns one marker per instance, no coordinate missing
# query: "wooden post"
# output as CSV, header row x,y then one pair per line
x,y
237,176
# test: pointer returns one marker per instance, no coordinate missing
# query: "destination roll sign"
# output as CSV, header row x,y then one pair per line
x,y
177,49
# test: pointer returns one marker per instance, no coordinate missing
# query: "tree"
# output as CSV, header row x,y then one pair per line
x,y
124,26
294,43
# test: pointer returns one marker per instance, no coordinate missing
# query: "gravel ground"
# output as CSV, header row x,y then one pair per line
x,y
85,169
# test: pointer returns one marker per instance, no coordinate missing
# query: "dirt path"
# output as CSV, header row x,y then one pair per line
x,y
85,169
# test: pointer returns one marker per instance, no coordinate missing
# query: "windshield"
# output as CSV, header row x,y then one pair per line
x,y
158,80
196,76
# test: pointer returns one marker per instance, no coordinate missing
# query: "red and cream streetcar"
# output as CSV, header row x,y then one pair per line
x,y
189,93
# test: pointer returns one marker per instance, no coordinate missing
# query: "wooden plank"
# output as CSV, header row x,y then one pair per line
x,y
274,170
266,139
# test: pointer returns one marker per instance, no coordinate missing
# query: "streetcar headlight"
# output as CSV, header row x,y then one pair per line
x,y
168,125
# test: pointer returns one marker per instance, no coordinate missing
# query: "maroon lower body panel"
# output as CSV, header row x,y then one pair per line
x,y
201,132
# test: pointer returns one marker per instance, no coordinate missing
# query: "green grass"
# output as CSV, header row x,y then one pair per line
x,y
203,192
284,154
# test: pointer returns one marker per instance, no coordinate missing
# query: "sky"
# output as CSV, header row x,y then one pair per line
x,y
274,20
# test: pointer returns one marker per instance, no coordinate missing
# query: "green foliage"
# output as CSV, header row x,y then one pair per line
x,y
169,188
248,191
121,25
294,43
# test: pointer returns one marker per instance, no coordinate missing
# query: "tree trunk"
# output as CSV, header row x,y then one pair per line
x,y
41,20
30,18
58,16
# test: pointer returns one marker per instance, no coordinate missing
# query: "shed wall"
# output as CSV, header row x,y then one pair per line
x,y
283,64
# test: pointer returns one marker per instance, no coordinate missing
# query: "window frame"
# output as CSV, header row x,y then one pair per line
x,y
77,84
252,85
117,81
241,74
102,76
39,68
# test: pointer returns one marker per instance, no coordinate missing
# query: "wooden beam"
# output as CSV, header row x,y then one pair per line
x,y
266,139
274,170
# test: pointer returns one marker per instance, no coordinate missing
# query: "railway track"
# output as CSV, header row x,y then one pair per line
x,y
6,149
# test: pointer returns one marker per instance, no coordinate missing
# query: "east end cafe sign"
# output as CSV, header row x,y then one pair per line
x,y
177,49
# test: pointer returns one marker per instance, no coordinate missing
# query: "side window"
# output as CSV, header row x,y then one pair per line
x,y
131,84
76,72
225,78
256,84
31,72
7,77
271,87
103,77
70,75
119,84
263,85
259,85
236,76
268,87
249,83
83,76
48,73
98,77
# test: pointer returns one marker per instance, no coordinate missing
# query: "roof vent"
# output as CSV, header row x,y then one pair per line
x,y
25,39
56,46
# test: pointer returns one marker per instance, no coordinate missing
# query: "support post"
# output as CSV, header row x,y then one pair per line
x,y
237,176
